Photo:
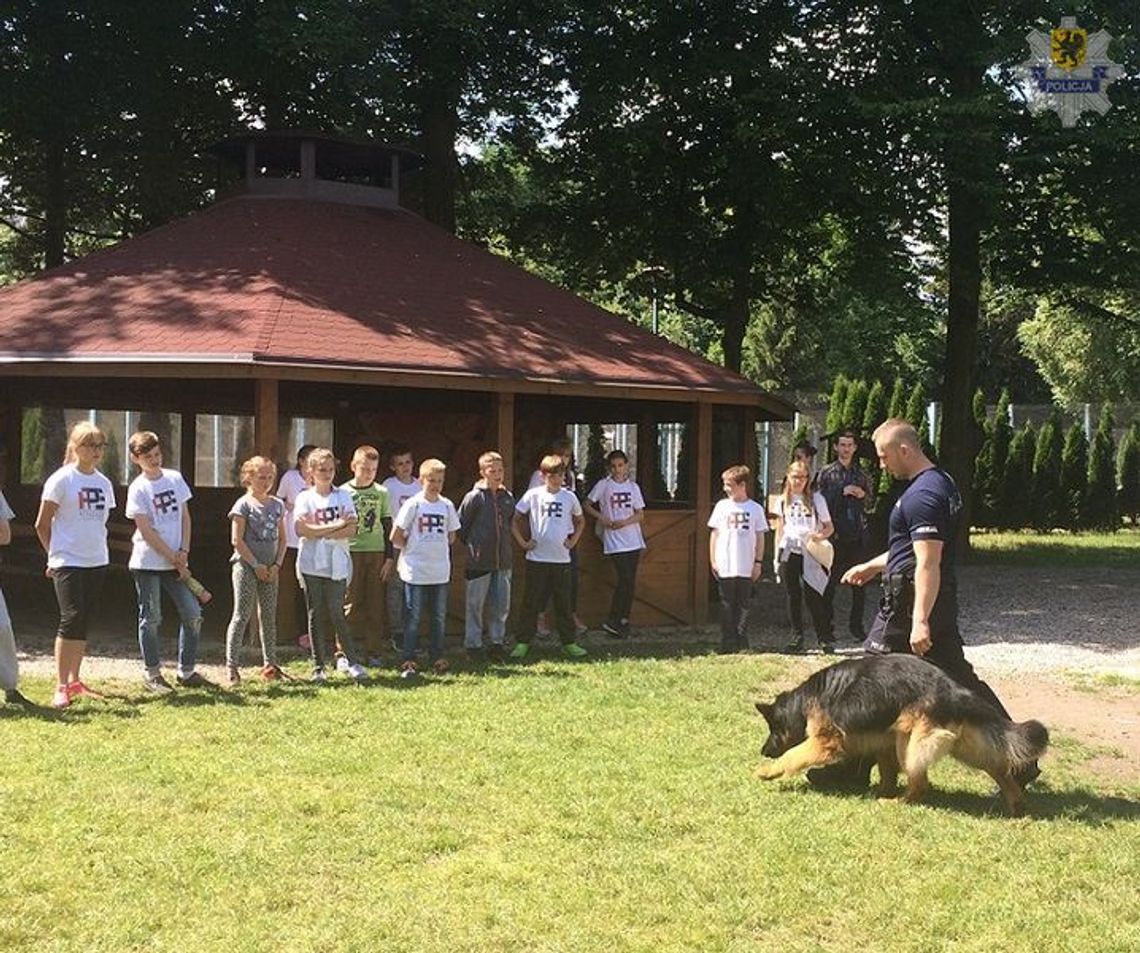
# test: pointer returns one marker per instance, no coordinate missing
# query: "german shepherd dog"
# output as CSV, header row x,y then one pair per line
x,y
901,711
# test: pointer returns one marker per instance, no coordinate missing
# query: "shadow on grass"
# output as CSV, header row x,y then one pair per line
x,y
1041,803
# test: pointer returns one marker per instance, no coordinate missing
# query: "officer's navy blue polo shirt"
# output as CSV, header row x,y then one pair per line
x,y
928,509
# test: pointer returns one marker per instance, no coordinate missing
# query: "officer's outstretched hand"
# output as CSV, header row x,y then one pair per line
x,y
859,574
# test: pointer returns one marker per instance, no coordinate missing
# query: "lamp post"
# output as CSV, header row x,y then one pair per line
x,y
653,272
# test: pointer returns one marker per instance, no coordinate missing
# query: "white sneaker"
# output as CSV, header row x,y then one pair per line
x,y
319,676
342,665
357,671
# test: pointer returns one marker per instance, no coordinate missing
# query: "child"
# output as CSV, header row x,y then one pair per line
x,y
158,501
554,518
257,531
618,506
484,528
802,515
72,528
290,599
371,551
564,448
401,487
9,667
325,520
424,532
736,554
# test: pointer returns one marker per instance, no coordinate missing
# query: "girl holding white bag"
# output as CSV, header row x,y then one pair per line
x,y
803,522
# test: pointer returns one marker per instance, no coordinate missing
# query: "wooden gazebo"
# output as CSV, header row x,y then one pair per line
x,y
306,301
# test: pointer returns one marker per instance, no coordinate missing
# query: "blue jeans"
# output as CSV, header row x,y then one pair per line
x,y
489,598
150,584
415,600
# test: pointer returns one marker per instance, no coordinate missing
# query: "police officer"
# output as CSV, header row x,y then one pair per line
x,y
920,604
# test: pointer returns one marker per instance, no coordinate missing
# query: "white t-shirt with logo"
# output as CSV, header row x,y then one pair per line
x,y
162,501
327,558
399,493
425,559
619,501
551,518
79,529
799,523
292,484
737,526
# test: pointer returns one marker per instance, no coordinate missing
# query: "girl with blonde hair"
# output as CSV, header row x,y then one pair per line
x,y
72,528
257,531
802,515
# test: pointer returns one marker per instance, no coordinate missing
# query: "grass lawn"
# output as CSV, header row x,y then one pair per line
x,y
1088,550
606,806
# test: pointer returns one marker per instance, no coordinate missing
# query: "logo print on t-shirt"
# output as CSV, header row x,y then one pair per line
x,y
553,509
326,514
739,520
430,524
92,498
165,501
621,499
368,524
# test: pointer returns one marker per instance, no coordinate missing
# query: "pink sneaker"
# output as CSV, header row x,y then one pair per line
x,y
74,689
61,699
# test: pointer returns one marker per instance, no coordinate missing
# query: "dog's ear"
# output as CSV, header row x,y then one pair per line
x,y
766,711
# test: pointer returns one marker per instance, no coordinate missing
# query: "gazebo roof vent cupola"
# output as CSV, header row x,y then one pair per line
x,y
313,165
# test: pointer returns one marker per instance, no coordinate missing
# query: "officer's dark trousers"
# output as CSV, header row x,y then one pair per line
x,y
890,632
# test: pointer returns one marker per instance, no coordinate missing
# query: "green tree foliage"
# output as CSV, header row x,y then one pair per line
x,y
33,444
897,406
1014,510
113,460
876,410
855,406
1128,474
1046,499
1087,347
1074,475
835,408
1002,432
1100,511
983,466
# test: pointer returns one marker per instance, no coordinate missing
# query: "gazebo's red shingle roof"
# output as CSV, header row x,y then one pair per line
x,y
292,281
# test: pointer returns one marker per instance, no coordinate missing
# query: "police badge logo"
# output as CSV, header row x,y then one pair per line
x,y
1068,71
1068,47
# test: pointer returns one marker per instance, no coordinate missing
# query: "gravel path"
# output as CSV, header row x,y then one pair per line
x,y
1013,620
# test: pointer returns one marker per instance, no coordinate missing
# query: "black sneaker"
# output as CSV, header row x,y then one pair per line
x,y
13,697
157,685
613,629
828,648
495,652
796,646
194,680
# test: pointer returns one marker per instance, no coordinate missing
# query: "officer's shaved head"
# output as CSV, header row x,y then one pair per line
x,y
896,432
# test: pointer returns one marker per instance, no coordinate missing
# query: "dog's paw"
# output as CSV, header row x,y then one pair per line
x,y
769,771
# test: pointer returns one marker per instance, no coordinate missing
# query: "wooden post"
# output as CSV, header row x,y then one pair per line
x,y
265,417
701,502
505,430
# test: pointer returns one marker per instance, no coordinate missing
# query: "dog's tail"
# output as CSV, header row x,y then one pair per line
x,y
1024,742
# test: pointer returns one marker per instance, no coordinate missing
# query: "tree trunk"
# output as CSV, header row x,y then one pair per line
x,y
964,154
439,122
55,202
734,322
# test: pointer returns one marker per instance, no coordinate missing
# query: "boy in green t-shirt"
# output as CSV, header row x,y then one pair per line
x,y
372,554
